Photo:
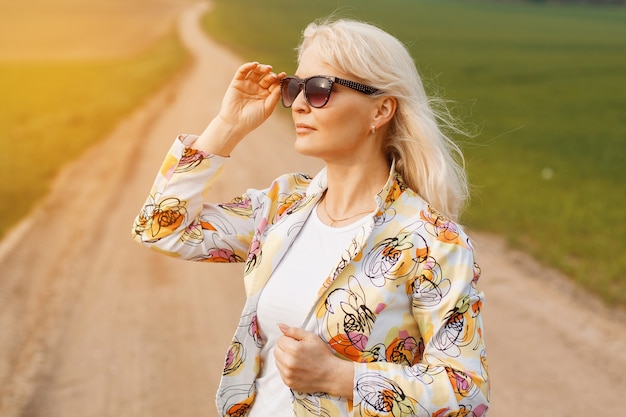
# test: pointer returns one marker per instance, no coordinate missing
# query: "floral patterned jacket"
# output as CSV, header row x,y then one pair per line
x,y
401,303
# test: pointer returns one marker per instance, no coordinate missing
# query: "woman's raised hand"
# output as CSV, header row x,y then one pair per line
x,y
249,100
251,97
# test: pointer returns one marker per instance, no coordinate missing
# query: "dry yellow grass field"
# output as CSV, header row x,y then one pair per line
x,y
79,29
69,71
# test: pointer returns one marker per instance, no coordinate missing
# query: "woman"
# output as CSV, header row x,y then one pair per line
x,y
361,296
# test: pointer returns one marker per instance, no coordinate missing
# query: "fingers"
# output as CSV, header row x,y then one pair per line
x,y
258,73
243,70
303,360
294,333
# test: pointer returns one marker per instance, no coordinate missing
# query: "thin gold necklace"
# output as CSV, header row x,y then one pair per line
x,y
335,221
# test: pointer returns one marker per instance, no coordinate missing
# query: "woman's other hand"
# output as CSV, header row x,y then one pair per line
x,y
306,364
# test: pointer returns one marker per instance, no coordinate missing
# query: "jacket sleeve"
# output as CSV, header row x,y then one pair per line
x,y
177,221
449,378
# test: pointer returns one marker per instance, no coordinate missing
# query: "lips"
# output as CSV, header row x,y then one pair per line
x,y
304,128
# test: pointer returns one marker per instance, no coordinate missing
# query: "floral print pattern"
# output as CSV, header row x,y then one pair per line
x,y
402,302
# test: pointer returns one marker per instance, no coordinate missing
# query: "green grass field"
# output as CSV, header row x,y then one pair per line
x,y
52,110
546,84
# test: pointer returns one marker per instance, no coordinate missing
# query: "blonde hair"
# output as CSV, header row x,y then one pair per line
x,y
430,163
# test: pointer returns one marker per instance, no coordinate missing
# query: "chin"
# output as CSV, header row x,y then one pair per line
x,y
305,147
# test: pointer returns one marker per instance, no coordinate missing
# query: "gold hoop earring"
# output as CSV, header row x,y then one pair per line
x,y
373,129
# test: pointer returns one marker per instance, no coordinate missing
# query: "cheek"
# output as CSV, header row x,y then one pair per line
x,y
350,126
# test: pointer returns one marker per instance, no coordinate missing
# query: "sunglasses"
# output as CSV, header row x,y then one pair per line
x,y
317,89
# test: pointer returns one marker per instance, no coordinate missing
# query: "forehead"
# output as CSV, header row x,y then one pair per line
x,y
311,63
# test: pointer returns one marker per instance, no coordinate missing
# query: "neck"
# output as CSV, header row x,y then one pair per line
x,y
352,189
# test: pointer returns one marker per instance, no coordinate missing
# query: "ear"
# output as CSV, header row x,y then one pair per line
x,y
385,111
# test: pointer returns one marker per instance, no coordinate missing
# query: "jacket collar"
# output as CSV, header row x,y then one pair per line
x,y
285,231
319,184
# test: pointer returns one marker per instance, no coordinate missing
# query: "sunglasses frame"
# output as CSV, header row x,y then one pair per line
x,y
362,88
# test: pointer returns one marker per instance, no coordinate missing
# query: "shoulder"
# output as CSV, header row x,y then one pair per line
x,y
415,216
287,185
283,195
295,181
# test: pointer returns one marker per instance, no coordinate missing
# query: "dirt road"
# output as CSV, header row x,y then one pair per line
x,y
93,325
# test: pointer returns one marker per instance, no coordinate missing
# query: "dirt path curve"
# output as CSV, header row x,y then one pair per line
x,y
91,324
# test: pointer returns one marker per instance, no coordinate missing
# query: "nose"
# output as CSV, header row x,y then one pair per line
x,y
300,104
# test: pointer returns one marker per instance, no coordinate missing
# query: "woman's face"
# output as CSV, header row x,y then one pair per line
x,y
339,131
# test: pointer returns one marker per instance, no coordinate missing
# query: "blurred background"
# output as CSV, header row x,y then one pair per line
x,y
539,85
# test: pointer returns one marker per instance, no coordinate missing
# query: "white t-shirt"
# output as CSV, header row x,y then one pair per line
x,y
288,298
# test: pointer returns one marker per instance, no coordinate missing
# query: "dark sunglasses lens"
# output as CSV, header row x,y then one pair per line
x,y
317,91
290,88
